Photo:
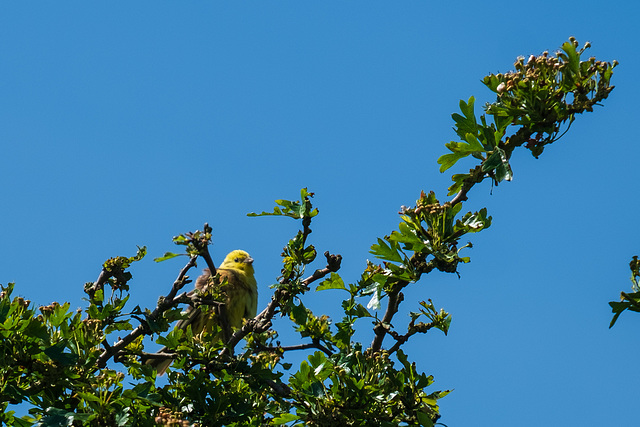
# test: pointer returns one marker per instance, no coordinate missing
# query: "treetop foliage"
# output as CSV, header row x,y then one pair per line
x,y
68,367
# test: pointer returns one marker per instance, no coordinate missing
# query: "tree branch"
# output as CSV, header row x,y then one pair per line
x,y
476,175
207,256
143,329
333,265
383,326
412,329
314,344
99,283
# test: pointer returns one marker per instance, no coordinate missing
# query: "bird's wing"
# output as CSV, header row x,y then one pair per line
x,y
237,294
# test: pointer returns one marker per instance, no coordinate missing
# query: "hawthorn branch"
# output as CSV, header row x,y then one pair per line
x,y
412,329
383,326
281,389
476,175
314,344
99,283
333,265
206,255
258,324
164,304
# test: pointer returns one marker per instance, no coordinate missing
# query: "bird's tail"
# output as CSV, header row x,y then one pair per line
x,y
160,363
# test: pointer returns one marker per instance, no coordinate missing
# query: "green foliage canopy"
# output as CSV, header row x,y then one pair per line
x,y
62,364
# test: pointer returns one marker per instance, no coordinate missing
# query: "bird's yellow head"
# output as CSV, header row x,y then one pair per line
x,y
238,260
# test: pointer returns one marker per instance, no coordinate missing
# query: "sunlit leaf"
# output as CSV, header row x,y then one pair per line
x,y
166,256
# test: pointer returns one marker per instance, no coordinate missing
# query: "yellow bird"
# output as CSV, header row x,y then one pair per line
x,y
241,299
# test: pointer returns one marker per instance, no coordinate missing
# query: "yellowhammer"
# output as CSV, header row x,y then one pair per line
x,y
241,299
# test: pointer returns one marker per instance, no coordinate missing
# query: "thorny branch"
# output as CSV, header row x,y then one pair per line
x,y
315,343
383,326
333,265
412,329
163,305
99,283
204,252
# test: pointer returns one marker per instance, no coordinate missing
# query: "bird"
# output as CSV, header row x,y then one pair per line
x,y
240,298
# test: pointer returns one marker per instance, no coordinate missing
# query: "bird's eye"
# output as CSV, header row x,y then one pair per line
x,y
237,260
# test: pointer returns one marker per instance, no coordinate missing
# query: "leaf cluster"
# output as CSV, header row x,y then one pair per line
x,y
628,301
49,359
361,389
535,105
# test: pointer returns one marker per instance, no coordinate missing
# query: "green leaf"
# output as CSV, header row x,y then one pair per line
x,y
389,252
407,235
56,353
473,143
309,254
447,160
460,150
90,397
357,310
283,419
122,417
617,307
142,251
333,282
297,209
503,172
166,256
492,161
59,314
573,57
473,222
616,315
498,162
467,123
22,422
299,314
424,419
458,181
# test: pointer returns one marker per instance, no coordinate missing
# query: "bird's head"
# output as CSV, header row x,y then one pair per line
x,y
238,260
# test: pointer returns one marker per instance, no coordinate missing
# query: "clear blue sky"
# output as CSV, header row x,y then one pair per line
x,y
126,123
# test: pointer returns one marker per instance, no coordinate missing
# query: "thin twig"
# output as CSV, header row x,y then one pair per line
x,y
412,329
207,256
333,265
315,344
99,283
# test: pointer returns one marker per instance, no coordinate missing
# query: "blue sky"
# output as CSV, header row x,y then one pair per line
x,y
127,123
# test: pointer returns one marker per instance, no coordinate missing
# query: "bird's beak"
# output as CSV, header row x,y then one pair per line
x,y
249,260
